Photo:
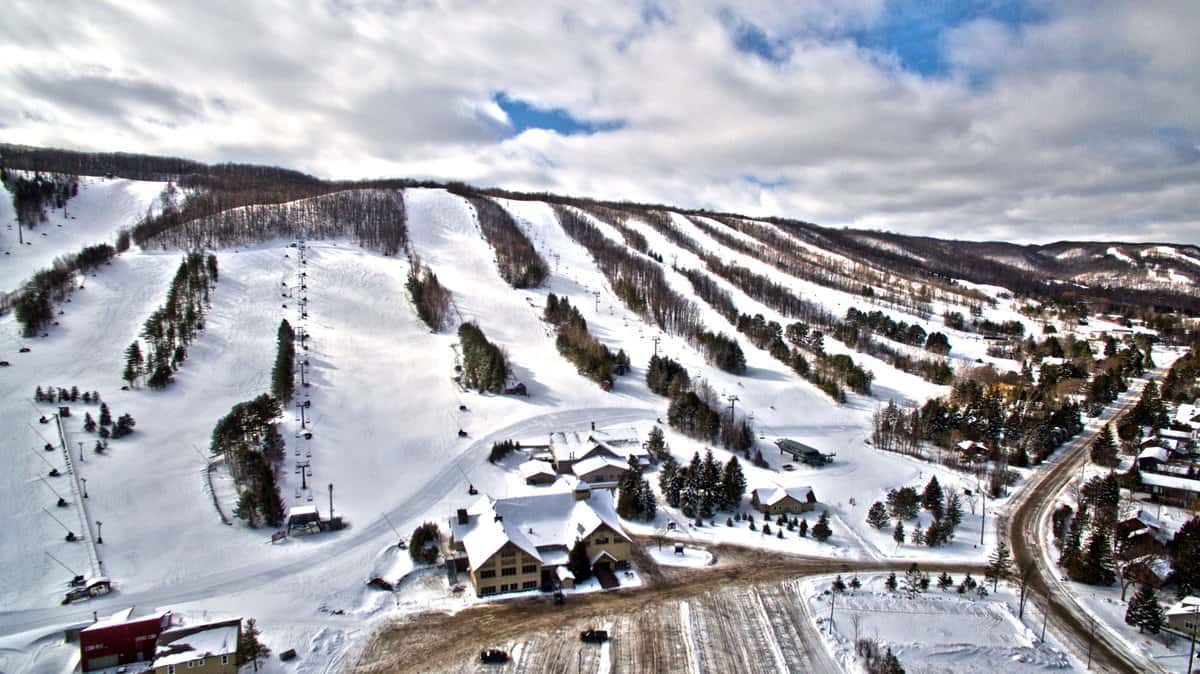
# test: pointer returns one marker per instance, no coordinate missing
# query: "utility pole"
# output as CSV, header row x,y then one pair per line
x,y
656,340
302,406
1092,639
331,500
597,294
732,400
1044,614
983,515
84,481
99,535
80,451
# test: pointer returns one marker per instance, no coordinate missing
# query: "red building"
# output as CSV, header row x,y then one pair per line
x,y
121,639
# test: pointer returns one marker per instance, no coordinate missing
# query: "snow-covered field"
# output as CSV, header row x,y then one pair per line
x,y
385,417
936,630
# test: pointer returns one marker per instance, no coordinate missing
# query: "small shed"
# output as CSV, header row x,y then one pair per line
x,y
303,518
538,472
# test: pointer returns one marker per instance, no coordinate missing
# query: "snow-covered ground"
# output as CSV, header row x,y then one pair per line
x,y
103,206
936,630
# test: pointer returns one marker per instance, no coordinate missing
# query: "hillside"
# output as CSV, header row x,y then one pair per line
x,y
385,421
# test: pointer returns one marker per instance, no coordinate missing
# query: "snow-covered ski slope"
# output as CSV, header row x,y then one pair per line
x,y
384,414
102,207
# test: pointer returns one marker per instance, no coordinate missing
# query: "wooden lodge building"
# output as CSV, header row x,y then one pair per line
x,y
780,500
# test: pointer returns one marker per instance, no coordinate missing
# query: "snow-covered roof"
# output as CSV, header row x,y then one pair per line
x,y
543,525
1185,606
769,496
1159,453
1188,414
574,445
302,510
218,640
1171,481
1173,434
534,468
586,466
124,616
564,573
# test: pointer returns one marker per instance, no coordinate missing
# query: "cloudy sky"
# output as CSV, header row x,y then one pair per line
x,y
1026,121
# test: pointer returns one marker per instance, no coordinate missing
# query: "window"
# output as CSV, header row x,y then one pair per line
x,y
508,553
504,587
490,589
602,540
487,573
529,585
200,662
508,571
529,568
170,669
224,659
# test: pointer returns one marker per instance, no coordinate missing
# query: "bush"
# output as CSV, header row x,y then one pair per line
x,y
501,449
424,543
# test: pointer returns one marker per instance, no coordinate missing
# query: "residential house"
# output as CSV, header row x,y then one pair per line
x,y
523,543
1184,617
211,646
600,472
1172,489
1152,457
1141,534
778,500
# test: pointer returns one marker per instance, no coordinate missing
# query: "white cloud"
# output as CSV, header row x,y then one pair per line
x,y
1080,125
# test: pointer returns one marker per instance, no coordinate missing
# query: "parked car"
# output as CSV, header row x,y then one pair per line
x,y
493,656
788,467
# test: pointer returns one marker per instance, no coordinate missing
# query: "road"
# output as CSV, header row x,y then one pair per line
x,y
451,479
1026,526
746,614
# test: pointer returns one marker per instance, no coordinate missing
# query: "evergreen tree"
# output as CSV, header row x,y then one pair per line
x,y
1184,551
931,498
802,530
733,484
667,480
656,444
123,427
890,583
912,580
821,531
839,585
283,375
1104,448
1097,565
918,535
877,516
953,516
1072,547
89,424
105,416
133,362
74,394
249,648
710,485
944,581
855,583
898,532
1144,611
903,503
999,565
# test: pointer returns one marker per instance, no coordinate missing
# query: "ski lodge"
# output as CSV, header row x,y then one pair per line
x,y
523,543
779,500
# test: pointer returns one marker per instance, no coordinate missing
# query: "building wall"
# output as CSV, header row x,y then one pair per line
x,y
787,505
119,644
208,665
604,538
489,578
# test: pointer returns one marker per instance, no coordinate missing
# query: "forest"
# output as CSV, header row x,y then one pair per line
x,y
32,195
248,440
591,358
33,304
170,329
432,300
484,366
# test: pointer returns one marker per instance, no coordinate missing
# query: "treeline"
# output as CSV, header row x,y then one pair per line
x,y
484,367
518,262
591,358
375,219
249,442
617,219
906,503
692,408
641,285
31,195
33,304
428,295
170,329
858,332
956,321
283,375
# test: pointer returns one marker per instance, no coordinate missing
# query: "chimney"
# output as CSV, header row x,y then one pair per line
x,y
462,515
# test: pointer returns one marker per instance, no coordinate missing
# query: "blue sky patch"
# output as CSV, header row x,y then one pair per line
x,y
913,29
525,115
